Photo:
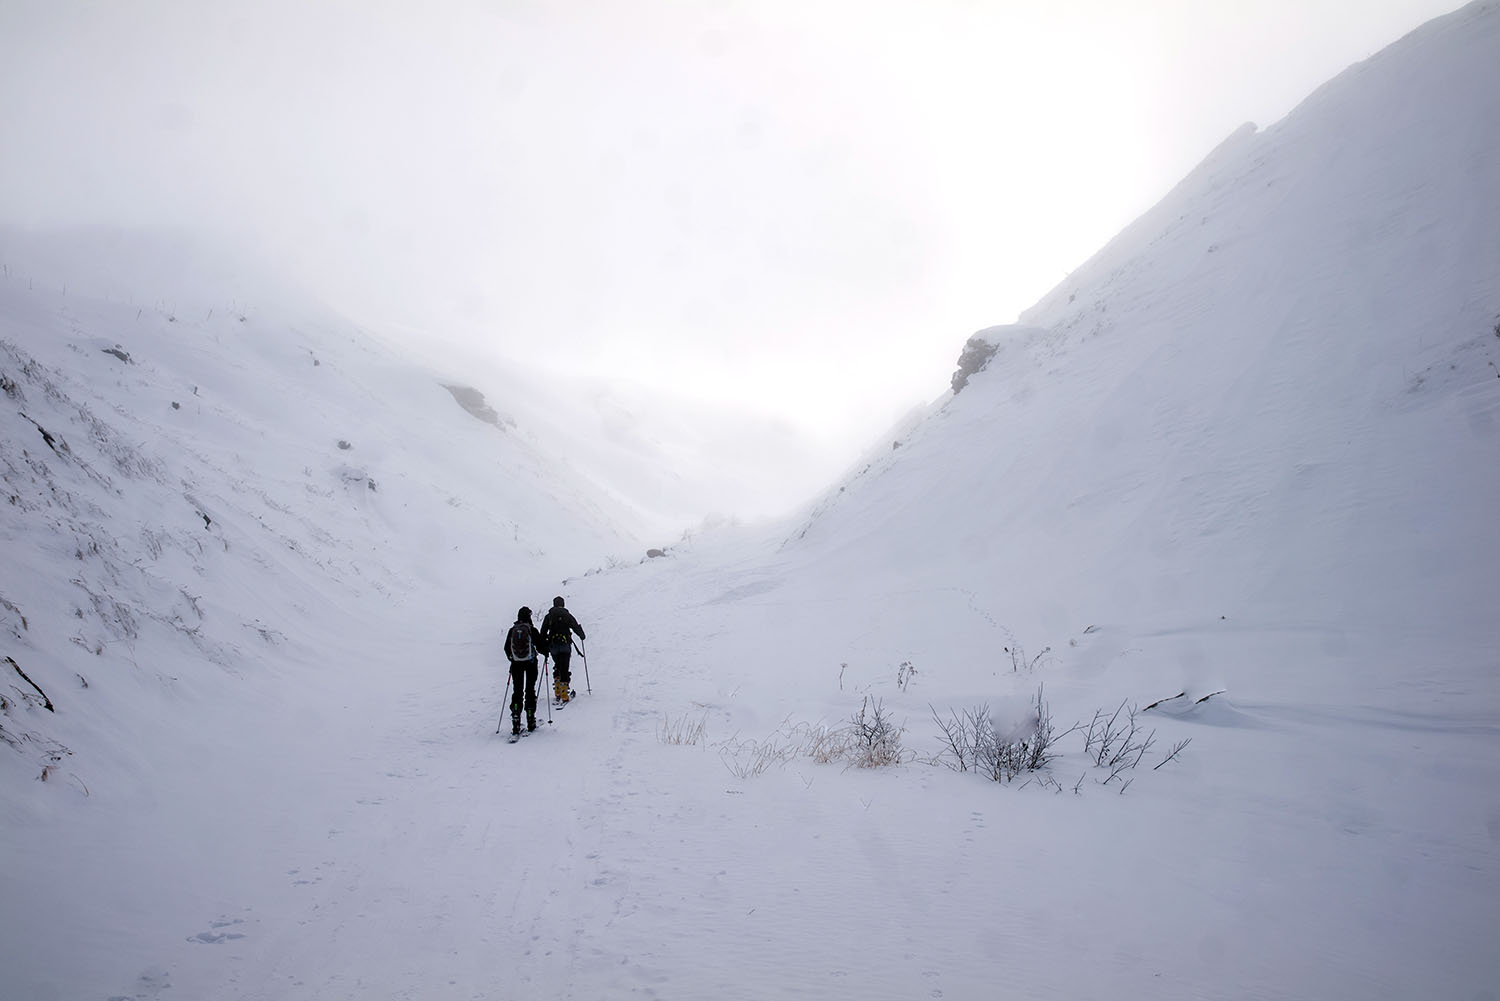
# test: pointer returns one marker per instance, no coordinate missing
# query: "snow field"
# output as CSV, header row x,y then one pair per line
x,y
1250,447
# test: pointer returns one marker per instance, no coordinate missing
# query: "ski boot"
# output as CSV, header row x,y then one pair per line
x,y
530,724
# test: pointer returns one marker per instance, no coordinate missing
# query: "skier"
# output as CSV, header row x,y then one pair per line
x,y
522,644
558,626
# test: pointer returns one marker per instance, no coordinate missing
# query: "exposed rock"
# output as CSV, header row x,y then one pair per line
x,y
976,354
979,349
472,400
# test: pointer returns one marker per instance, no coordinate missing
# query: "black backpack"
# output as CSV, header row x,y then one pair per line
x,y
557,629
520,642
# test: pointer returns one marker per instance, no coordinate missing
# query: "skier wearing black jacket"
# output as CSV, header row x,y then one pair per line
x,y
558,627
522,645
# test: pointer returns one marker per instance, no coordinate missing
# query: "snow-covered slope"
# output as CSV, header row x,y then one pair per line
x,y
201,488
1273,398
1250,449
1252,446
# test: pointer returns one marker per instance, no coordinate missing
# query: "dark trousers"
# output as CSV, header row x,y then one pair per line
x,y
561,654
522,677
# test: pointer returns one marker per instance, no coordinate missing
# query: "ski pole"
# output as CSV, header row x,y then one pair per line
x,y
584,653
546,673
500,725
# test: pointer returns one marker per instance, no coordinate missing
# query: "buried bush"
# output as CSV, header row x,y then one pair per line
x,y
1113,741
973,741
683,730
1118,744
748,758
1000,748
871,739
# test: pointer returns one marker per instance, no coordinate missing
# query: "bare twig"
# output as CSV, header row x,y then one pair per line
x,y
956,737
1103,734
46,702
685,730
904,674
1176,749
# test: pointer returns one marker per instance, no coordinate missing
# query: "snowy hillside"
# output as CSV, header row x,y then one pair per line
x,y
1250,448
205,487
1225,500
1271,399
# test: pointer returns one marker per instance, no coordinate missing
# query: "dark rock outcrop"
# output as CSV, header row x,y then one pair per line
x,y
976,355
472,400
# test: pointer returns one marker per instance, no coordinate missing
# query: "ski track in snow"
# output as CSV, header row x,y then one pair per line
x,y
423,857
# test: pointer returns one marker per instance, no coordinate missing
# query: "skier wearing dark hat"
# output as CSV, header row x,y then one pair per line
x,y
558,627
522,645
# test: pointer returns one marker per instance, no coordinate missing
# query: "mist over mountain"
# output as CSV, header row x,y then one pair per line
x,y
1232,484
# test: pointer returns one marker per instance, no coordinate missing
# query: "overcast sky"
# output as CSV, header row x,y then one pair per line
x,y
802,205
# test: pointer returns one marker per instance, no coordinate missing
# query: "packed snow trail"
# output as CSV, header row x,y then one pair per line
x,y
364,832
